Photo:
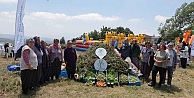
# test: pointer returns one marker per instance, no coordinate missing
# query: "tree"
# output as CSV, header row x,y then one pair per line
x,y
125,31
175,26
103,31
94,34
78,38
62,40
128,31
120,30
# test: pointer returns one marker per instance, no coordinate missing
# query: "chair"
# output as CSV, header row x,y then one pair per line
x,y
9,52
1,49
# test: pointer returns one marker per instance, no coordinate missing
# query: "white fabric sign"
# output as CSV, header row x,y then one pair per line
x,y
100,65
101,52
19,27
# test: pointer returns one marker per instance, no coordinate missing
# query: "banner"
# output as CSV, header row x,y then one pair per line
x,y
19,27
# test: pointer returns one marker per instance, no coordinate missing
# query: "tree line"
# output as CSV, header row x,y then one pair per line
x,y
182,20
96,35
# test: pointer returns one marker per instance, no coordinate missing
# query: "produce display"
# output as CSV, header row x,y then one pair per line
x,y
101,84
133,79
112,76
101,77
87,60
115,66
90,75
123,79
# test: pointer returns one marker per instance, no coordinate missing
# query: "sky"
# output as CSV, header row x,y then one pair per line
x,y
71,18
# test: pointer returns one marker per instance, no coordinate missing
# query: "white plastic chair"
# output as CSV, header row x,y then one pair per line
x,y
1,49
9,52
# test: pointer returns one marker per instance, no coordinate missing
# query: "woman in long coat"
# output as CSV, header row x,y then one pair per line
x,y
38,51
55,59
45,61
70,58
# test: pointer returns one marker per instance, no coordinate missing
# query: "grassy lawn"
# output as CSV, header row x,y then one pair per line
x,y
10,87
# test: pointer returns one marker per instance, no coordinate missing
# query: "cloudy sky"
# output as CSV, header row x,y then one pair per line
x,y
71,18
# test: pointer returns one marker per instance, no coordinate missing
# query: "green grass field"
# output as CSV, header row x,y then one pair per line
x,y
10,87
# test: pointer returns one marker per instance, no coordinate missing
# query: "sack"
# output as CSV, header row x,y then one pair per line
x,y
117,53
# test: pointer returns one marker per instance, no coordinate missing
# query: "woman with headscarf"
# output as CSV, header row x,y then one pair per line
x,y
184,55
70,58
28,66
38,51
45,61
55,59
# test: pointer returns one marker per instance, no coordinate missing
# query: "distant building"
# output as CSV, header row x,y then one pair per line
x,y
151,38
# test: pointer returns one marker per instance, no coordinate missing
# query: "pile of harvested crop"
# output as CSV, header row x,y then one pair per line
x,y
101,77
133,79
86,60
123,79
112,76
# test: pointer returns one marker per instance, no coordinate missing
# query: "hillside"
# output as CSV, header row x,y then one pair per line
x,y
10,38
6,40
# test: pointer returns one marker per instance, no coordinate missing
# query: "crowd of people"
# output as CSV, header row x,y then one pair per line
x,y
40,63
156,57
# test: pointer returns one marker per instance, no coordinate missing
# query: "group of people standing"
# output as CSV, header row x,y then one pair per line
x,y
40,63
153,57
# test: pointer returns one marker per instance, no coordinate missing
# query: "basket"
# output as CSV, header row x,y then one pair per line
x,y
87,78
138,83
115,81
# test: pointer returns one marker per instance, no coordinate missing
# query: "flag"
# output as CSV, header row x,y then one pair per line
x,y
19,27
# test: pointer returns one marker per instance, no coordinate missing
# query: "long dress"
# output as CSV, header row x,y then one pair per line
x,y
45,65
56,61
